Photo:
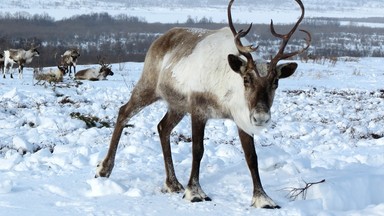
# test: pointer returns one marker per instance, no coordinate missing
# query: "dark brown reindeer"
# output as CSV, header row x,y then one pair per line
x,y
209,74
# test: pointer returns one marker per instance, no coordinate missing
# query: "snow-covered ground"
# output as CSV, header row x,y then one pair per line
x,y
327,124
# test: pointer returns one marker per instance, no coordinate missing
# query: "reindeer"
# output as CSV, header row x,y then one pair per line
x,y
2,62
20,57
95,74
69,60
209,74
51,76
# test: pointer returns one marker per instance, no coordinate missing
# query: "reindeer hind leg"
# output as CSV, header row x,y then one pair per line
x,y
165,127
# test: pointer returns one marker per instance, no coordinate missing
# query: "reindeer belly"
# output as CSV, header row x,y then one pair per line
x,y
201,103
174,98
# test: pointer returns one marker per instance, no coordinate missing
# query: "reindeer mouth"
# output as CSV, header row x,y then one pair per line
x,y
260,118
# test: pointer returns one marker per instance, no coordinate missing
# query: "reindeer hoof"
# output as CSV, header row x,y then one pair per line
x,y
271,207
172,187
196,194
104,169
263,201
199,199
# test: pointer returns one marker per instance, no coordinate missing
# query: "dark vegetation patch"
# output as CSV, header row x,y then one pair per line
x,y
90,121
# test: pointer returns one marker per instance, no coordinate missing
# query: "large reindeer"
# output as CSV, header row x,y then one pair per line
x,y
20,57
69,60
209,74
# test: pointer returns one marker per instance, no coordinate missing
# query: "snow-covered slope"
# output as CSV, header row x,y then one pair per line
x,y
281,11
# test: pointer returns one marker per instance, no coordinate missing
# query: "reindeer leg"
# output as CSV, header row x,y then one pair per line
x,y
165,127
10,70
141,97
260,199
21,71
194,193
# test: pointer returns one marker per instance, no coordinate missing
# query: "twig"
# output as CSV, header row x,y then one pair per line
x,y
294,193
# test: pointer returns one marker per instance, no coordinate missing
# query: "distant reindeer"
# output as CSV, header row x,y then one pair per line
x,y
209,74
333,60
95,74
2,62
20,57
69,60
51,75
315,58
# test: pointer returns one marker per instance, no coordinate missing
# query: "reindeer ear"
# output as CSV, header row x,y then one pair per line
x,y
285,70
236,63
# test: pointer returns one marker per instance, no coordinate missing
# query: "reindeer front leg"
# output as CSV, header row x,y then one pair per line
x,y
260,199
193,192
104,168
140,98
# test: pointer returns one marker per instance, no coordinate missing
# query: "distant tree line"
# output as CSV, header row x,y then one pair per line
x,y
123,38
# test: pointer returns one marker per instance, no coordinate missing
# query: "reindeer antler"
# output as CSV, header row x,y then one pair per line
x,y
101,61
280,54
243,50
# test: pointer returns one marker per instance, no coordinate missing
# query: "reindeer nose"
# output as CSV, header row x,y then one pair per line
x,y
260,118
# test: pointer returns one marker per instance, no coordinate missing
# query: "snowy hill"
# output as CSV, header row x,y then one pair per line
x,y
178,11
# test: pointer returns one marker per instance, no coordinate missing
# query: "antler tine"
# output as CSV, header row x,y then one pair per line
x,y
229,14
243,50
307,40
101,60
281,55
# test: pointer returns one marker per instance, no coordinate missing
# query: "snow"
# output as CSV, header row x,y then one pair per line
x,y
249,12
327,124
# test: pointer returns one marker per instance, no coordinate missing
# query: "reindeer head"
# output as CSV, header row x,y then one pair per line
x,y
34,51
75,53
261,80
105,69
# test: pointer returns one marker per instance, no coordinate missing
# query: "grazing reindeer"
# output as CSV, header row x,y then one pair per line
x,y
209,74
69,60
315,58
95,74
50,76
20,57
